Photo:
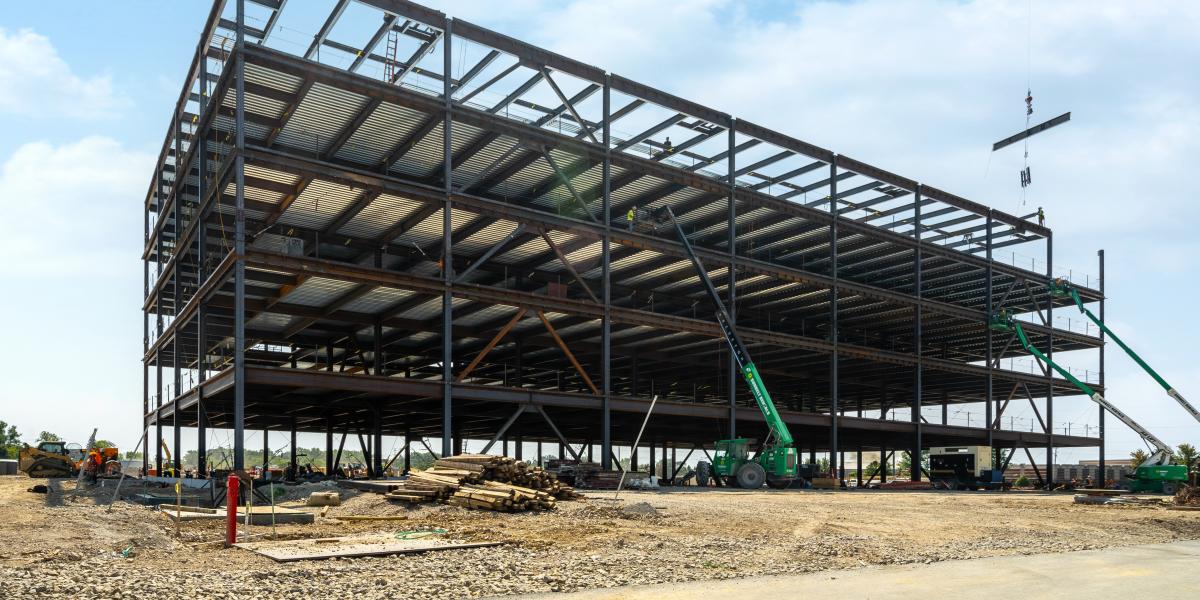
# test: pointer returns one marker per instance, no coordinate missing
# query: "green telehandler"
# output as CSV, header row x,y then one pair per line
x,y
775,462
1156,473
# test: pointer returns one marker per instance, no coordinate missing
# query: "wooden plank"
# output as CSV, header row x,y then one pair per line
x,y
350,547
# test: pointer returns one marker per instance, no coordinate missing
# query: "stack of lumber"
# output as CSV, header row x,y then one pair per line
x,y
474,468
594,477
425,486
482,481
492,495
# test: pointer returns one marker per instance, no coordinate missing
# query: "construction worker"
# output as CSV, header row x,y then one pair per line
x,y
1041,217
667,147
629,217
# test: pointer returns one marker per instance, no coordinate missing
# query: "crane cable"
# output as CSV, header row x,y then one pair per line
x,y
1026,177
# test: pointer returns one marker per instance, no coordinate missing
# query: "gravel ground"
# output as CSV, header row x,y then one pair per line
x,y
54,547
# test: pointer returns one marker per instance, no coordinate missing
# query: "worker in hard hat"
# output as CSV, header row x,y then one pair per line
x,y
629,217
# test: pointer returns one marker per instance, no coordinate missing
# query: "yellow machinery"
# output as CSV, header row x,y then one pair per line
x,y
58,459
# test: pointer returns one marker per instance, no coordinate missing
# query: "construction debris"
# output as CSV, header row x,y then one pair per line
x,y
323,499
1188,495
483,481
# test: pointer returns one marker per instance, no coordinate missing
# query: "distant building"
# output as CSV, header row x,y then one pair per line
x,y
1114,470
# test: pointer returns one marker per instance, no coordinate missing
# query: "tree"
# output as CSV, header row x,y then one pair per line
x,y
46,436
1137,457
873,468
1021,481
1187,455
10,440
905,466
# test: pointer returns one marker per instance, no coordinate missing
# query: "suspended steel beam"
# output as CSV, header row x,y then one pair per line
x,y
1032,131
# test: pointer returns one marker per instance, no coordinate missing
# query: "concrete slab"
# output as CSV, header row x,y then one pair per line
x,y
1153,571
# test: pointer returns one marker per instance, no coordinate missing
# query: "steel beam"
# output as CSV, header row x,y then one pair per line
x,y
567,351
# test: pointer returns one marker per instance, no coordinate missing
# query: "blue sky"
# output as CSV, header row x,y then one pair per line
x,y
920,87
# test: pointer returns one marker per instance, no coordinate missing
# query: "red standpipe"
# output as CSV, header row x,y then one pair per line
x,y
231,500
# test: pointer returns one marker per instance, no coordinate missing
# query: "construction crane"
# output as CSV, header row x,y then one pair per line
x,y
1156,473
1063,289
775,463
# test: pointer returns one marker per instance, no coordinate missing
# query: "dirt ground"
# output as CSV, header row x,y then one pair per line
x,y
53,546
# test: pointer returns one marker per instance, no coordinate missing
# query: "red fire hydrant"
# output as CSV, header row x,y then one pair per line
x,y
231,500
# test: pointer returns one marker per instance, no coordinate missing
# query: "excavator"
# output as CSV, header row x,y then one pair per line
x,y
1156,473
775,463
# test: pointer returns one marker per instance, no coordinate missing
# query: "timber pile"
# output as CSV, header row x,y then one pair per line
x,y
599,479
485,482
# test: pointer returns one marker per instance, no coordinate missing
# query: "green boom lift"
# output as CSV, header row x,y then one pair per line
x,y
1156,473
775,463
1060,287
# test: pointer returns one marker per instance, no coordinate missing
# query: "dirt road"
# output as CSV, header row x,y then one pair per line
x,y
47,540
1154,570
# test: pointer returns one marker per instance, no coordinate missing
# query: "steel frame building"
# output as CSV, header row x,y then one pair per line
x,y
340,238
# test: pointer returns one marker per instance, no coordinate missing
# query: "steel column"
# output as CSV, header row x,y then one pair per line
x,y
988,389
447,254
1101,479
201,436
158,441
731,225
377,434
833,310
606,283
329,466
918,323
239,237
201,138
292,448
407,450
1050,372
175,274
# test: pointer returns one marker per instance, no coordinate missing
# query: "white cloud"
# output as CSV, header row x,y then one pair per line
x,y
72,209
36,82
71,241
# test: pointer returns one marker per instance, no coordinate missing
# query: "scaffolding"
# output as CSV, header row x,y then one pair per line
x,y
429,236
